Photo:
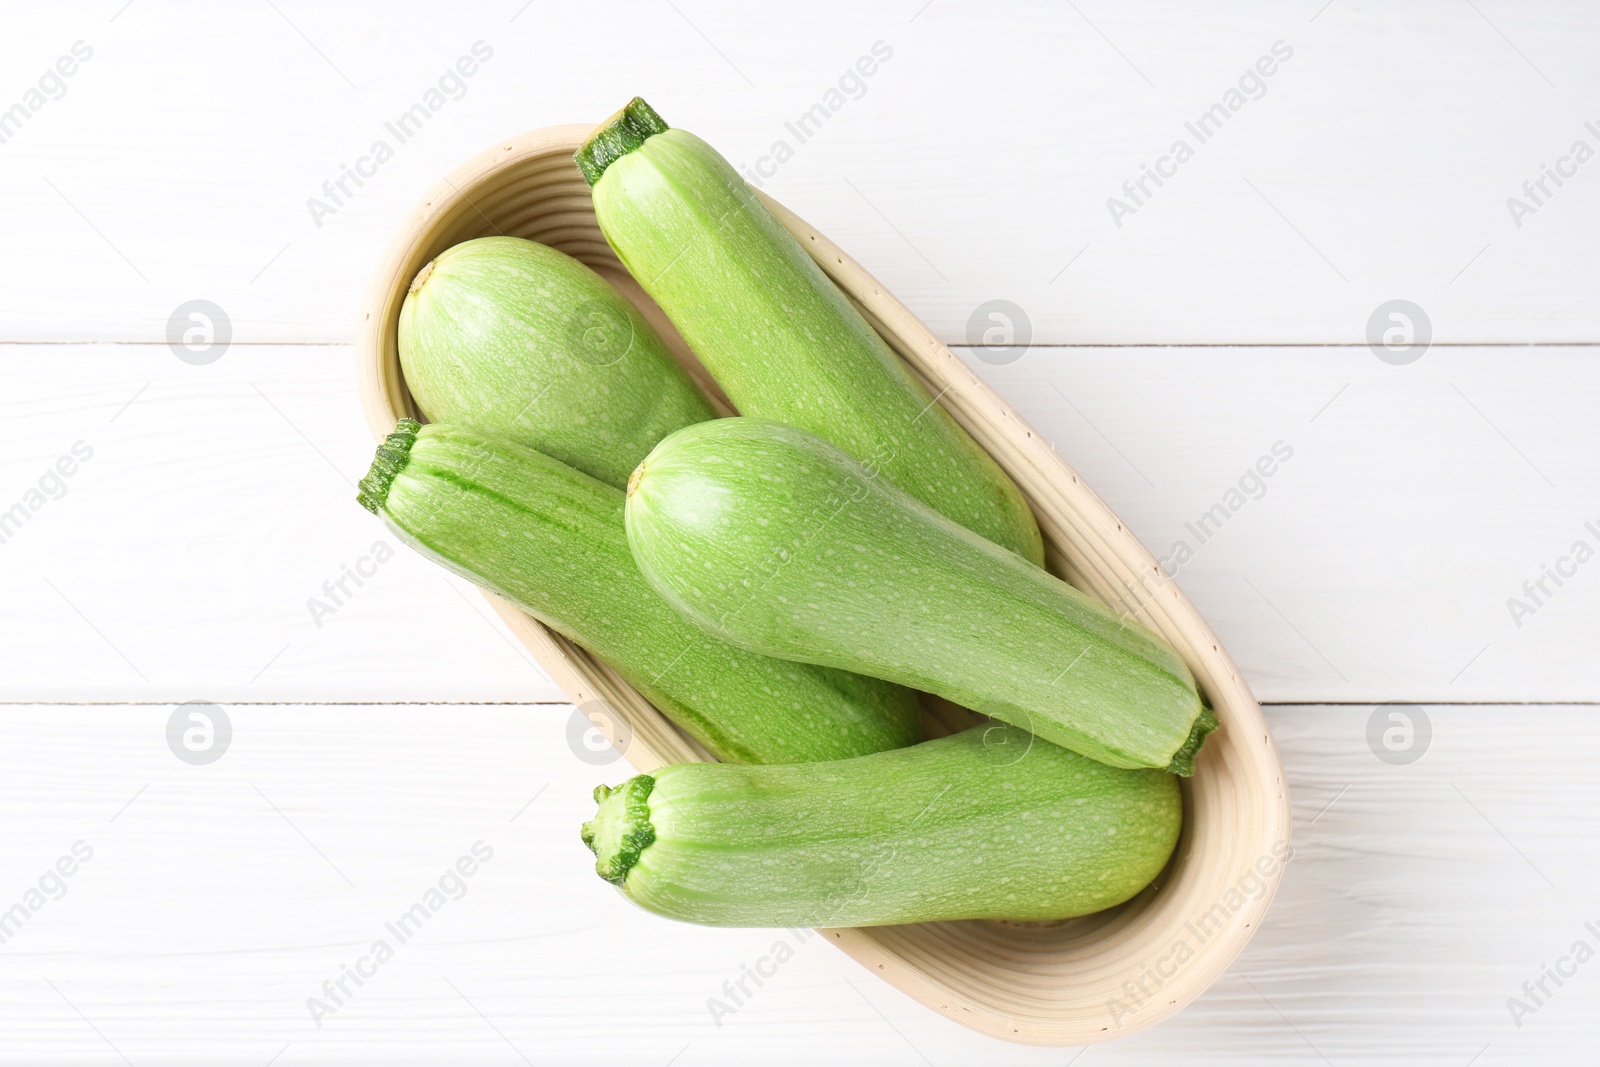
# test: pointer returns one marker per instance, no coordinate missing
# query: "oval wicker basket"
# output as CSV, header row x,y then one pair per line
x,y
1066,983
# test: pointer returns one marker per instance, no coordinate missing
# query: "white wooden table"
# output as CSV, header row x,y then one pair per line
x,y
177,522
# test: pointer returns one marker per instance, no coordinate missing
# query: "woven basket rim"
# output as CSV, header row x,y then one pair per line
x,y
1082,981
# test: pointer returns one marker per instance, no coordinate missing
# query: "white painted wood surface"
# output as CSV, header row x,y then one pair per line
x,y
1375,563
1227,313
220,898
977,161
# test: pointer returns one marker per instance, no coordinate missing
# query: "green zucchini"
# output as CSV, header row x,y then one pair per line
x,y
990,823
774,331
551,540
521,341
779,542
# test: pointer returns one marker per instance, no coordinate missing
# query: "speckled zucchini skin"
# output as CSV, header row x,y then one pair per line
x,y
551,540
777,334
522,341
991,823
778,542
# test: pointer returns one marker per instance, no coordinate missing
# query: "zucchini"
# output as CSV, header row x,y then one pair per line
x,y
774,331
551,540
779,542
989,823
521,341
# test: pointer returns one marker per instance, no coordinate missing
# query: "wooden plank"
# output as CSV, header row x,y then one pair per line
x,y
1400,543
187,556
197,553
219,898
180,160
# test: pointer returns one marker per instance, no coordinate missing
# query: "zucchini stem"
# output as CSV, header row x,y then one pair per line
x,y
422,276
616,137
390,460
1183,760
621,829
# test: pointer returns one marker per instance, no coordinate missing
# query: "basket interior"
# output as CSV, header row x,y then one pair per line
x,y
1068,982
